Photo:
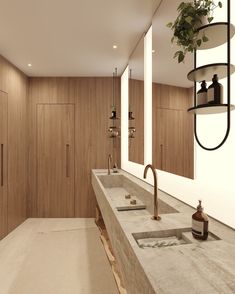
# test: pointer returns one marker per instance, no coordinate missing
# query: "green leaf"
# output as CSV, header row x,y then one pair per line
x,y
205,39
210,19
220,4
199,42
181,57
181,6
177,53
169,25
189,19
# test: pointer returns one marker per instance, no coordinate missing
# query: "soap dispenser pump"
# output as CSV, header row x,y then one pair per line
x,y
200,223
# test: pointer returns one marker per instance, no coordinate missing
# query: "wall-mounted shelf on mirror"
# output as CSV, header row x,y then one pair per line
x,y
114,132
218,29
114,118
210,108
130,116
206,72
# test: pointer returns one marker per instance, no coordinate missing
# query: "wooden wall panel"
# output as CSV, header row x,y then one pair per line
x,y
136,102
3,164
93,99
173,139
15,84
171,97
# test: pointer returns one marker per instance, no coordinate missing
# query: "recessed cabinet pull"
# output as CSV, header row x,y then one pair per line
x,y
67,160
2,165
161,146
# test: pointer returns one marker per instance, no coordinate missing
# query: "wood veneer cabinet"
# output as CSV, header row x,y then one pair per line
x,y
55,160
173,141
13,86
3,164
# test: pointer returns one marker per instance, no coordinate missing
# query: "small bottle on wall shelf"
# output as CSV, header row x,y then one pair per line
x,y
202,94
215,91
200,223
115,168
113,115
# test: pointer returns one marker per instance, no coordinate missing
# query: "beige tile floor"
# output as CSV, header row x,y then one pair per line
x,y
55,256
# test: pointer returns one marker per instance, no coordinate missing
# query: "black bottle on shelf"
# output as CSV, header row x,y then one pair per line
x,y
202,94
113,115
215,91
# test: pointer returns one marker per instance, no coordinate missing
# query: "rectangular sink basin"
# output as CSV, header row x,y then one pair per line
x,y
111,181
167,238
117,186
158,239
125,204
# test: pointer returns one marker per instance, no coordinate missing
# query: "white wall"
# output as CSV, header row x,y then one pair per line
x,y
214,170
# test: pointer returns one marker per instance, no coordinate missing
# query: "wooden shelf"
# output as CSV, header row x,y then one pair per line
x,y
216,33
207,71
210,108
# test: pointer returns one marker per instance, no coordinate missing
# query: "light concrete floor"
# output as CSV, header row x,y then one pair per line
x,y
55,256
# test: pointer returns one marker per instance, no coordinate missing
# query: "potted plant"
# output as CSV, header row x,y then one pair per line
x,y
191,15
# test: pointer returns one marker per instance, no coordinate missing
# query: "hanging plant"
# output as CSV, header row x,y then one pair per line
x,y
185,28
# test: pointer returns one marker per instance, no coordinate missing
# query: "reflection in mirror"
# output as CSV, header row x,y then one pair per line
x,y
136,104
173,141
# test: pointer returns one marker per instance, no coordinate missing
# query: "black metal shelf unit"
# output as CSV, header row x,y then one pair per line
x,y
205,72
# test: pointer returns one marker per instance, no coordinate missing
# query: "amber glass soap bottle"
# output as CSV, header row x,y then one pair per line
x,y
200,223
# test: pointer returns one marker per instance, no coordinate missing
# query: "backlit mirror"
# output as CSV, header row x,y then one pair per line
x,y
136,104
173,141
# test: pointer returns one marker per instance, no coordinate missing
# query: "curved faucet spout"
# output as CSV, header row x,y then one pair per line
x,y
109,163
149,166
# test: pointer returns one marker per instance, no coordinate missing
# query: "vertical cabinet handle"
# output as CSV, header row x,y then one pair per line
x,y
2,166
161,146
67,161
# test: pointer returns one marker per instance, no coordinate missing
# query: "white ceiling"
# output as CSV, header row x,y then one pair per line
x,y
72,37
167,70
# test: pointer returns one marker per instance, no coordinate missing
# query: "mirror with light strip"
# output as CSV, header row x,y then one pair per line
x,y
136,104
173,141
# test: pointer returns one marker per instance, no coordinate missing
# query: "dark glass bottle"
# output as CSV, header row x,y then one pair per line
x,y
215,91
130,115
113,116
200,224
202,94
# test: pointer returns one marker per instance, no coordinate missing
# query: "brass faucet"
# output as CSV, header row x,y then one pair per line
x,y
155,216
109,163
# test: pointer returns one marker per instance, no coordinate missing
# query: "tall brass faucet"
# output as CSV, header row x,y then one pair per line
x,y
155,216
109,163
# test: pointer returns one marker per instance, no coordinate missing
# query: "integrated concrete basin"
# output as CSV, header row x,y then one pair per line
x,y
167,238
164,238
118,187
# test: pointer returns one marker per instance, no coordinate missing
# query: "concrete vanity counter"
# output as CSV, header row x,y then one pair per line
x,y
195,267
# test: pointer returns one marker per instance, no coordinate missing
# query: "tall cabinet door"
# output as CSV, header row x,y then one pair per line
x,y
55,160
3,164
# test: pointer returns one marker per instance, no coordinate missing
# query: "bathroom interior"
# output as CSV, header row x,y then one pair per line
x,y
116,160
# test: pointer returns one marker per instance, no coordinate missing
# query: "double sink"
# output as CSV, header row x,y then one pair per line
x,y
122,191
